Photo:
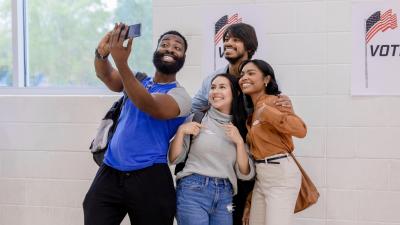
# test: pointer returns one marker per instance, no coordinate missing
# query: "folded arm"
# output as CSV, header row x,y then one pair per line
x,y
284,121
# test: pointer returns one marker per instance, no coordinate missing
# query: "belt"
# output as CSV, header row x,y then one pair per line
x,y
206,179
271,160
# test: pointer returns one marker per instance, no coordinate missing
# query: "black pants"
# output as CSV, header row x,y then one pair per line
x,y
239,200
146,195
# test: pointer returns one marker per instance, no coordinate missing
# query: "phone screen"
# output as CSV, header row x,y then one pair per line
x,y
133,31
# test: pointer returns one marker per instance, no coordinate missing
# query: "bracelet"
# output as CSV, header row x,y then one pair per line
x,y
100,57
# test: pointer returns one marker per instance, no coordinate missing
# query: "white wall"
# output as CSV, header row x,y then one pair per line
x,y
45,166
350,152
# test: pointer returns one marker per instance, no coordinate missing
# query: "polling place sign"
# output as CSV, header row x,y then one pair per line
x,y
375,48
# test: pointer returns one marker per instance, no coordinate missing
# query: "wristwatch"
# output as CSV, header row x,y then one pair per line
x,y
100,57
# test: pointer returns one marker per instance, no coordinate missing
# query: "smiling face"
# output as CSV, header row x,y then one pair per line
x,y
234,49
220,95
252,80
169,56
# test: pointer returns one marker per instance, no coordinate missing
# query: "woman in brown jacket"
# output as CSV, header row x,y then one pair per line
x,y
270,131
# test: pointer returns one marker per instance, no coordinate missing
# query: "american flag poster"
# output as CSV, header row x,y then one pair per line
x,y
216,20
375,48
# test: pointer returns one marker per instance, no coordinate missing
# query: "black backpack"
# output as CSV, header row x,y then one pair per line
x,y
197,117
108,125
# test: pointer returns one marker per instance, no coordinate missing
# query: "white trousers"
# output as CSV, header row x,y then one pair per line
x,y
275,192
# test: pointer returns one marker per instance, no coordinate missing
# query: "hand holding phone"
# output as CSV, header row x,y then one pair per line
x,y
133,31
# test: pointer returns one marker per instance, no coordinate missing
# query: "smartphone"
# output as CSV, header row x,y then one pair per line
x,y
133,31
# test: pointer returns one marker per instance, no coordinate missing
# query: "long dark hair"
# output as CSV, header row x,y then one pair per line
x,y
266,69
238,111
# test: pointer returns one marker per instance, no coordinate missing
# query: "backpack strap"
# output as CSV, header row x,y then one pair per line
x,y
141,76
197,117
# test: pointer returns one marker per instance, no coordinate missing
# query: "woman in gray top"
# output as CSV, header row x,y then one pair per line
x,y
218,156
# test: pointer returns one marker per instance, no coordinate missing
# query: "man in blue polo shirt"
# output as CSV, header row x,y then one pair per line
x,y
135,178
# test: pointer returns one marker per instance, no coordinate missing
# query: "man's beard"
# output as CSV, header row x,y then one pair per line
x,y
167,68
234,60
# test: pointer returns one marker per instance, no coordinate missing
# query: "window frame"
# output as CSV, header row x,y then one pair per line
x,y
20,78
18,43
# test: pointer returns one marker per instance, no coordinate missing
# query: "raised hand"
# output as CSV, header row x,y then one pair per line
x,y
233,133
120,53
103,47
284,100
192,128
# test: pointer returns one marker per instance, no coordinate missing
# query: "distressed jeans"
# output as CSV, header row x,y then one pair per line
x,y
203,200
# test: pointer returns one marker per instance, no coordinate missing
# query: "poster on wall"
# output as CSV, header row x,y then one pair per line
x,y
376,48
216,20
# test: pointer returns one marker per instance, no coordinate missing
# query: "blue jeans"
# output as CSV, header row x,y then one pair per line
x,y
203,200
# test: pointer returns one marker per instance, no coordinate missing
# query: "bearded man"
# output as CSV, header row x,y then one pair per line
x,y
135,178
